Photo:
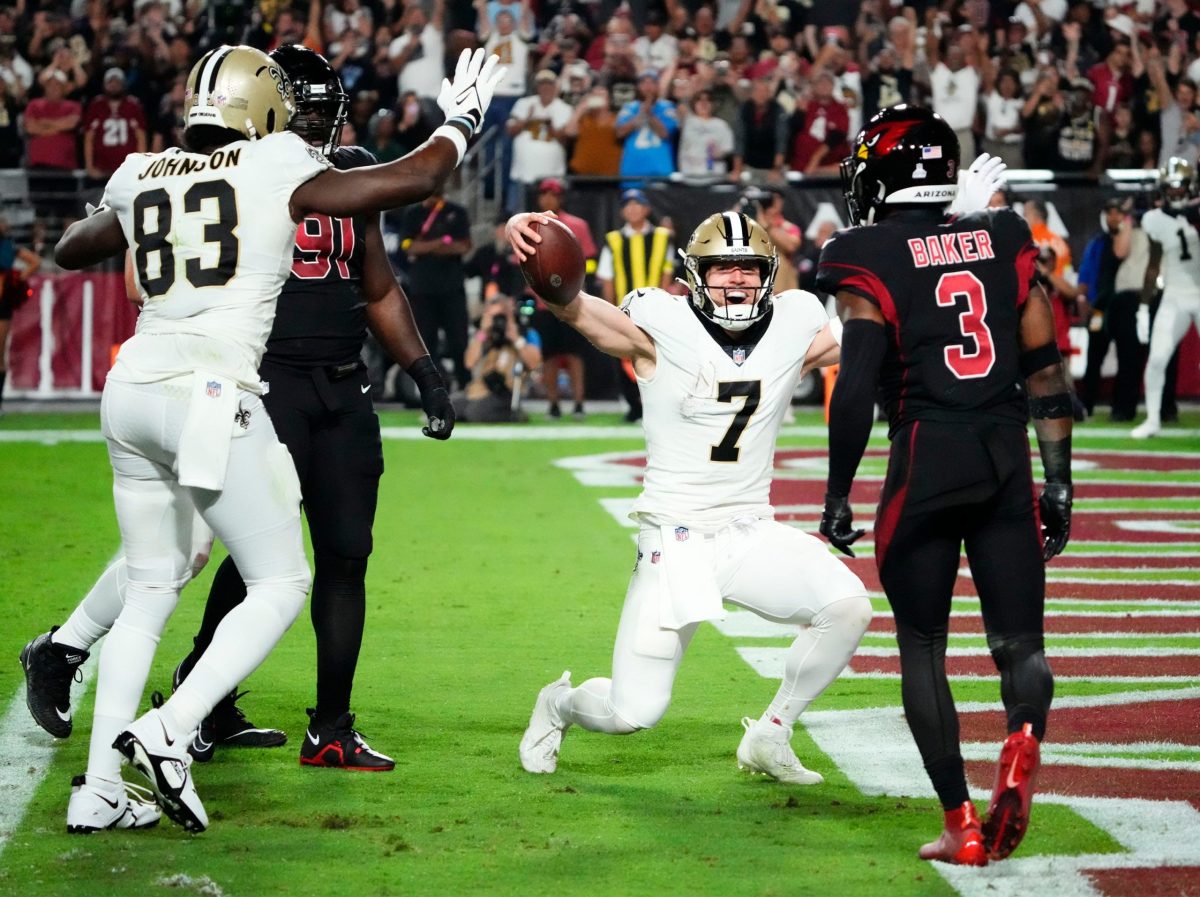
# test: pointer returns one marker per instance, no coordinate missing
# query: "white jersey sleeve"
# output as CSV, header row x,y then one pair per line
x,y
211,238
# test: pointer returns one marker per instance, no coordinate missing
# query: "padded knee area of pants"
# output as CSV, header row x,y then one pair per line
x,y
643,713
285,593
1026,682
343,569
848,616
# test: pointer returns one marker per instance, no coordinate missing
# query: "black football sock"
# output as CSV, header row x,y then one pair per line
x,y
339,600
226,593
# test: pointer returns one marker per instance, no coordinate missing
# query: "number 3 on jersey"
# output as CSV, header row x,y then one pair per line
x,y
968,365
316,253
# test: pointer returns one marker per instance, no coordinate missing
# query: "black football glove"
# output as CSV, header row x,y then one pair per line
x,y
836,524
435,400
1055,506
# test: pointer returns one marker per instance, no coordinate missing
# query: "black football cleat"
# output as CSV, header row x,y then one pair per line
x,y
340,746
226,725
49,670
231,728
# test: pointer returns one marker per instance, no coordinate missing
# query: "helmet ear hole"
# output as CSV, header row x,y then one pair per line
x,y
270,121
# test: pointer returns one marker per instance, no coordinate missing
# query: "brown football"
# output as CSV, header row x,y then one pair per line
x,y
555,271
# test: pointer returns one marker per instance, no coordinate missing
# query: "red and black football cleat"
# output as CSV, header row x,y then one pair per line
x,y
340,746
961,842
1016,776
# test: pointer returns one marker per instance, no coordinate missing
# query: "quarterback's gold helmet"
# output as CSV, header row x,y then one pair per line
x,y
239,88
1177,182
730,237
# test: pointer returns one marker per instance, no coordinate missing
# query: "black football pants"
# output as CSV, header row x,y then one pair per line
x,y
950,485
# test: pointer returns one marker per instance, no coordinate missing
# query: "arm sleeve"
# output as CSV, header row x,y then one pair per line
x,y
852,406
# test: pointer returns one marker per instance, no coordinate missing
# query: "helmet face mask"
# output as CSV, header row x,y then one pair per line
x,y
905,155
1177,183
322,105
239,89
730,238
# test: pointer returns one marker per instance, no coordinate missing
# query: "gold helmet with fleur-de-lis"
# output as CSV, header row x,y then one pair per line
x,y
730,237
239,88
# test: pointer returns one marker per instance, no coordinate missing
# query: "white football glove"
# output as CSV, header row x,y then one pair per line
x,y
977,184
1143,324
467,98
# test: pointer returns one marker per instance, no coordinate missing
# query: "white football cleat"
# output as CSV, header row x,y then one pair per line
x,y
165,761
1146,429
767,748
97,804
543,737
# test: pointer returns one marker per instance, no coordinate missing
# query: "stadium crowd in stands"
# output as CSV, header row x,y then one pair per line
x,y
716,88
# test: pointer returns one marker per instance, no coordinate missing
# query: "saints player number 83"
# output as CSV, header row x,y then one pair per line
x,y
220,231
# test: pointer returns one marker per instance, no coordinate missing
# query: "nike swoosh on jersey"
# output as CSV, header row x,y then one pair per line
x,y
365,389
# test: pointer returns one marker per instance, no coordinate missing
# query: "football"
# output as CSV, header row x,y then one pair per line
x,y
555,271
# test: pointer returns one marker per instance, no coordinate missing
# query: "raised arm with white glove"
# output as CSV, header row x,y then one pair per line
x,y
465,99
977,184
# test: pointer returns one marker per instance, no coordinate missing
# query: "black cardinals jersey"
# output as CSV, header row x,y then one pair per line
x,y
321,317
950,291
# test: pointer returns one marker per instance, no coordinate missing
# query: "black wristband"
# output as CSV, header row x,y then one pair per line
x,y
425,374
1042,357
1056,460
1046,407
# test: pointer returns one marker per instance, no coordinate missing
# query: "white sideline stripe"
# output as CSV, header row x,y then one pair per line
x,y
20,737
769,663
1051,651
1078,702
1059,636
527,433
1051,755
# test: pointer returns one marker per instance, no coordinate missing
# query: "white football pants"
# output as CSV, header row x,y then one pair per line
x,y
1175,315
256,515
764,566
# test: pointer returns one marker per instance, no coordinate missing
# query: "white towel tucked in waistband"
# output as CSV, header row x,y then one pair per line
x,y
203,454
689,583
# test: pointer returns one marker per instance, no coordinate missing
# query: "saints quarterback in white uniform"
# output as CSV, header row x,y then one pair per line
x,y
716,370
1174,227
211,231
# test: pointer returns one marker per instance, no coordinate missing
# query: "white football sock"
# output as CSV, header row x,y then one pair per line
x,y
124,667
819,653
95,614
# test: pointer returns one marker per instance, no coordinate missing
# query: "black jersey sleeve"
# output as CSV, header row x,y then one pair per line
x,y
1014,241
847,262
347,157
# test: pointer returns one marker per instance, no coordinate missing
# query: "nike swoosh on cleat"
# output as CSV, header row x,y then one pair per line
x,y
65,717
111,803
200,744
166,737
315,741
1012,782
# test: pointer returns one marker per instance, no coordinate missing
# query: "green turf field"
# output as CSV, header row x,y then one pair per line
x,y
493,571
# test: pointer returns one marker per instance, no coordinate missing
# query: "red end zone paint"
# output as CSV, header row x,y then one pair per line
x,y
1095,781
1156,721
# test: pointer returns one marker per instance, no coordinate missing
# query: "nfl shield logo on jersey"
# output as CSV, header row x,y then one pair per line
x,y
655,557
212,388
739,355
681,534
